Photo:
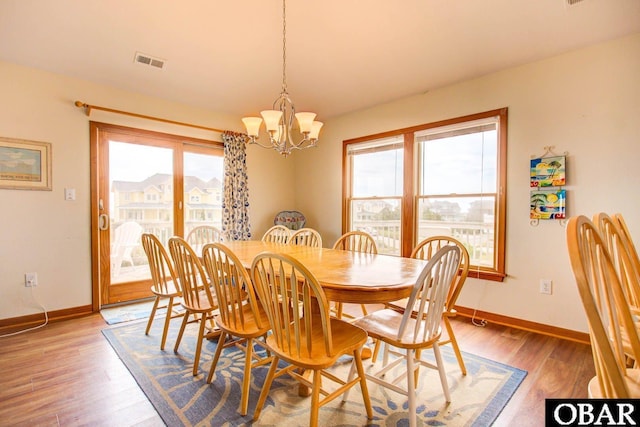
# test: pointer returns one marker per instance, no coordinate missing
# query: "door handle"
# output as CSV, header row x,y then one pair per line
x,y
103,222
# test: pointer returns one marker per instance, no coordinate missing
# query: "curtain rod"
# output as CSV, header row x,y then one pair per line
x,y
88,108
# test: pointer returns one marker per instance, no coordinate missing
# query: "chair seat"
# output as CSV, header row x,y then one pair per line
x,y
171,290
401,305
385,324
346,338
250,329
204,306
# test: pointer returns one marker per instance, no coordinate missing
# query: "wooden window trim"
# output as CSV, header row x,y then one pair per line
x,y
410,184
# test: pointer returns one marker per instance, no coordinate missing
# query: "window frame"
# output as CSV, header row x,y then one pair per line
x,y
410,186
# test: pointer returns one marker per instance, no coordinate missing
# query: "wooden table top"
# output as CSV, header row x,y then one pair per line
x,y
344,275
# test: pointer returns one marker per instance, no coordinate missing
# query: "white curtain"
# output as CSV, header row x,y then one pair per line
x,y
235,204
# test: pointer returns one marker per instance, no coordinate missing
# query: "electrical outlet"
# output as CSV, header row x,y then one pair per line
x,y
545,286
30,279
69,193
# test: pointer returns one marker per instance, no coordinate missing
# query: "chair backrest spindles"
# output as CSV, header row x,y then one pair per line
x,y
357,241
429,294
277,234
203,234
306,237
190,273
232,285
620,250
162,271
290,294
611,324
428,247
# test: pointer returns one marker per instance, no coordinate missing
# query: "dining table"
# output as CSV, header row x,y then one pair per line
x,y
345,276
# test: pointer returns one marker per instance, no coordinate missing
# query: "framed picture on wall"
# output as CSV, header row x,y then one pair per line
x,y
548,172
25,165
548,204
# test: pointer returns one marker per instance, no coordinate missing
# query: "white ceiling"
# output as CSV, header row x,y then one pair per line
x,y
342,55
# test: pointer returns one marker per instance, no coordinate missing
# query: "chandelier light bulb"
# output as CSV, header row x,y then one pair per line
x,y
253,125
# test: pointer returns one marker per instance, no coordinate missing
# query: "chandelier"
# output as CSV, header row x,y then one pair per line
x,y
279,121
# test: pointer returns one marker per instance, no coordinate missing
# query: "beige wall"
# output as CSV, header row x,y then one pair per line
x,y
585,102
43,233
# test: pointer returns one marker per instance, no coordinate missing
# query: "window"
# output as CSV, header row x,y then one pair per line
x,y
375,204
445,178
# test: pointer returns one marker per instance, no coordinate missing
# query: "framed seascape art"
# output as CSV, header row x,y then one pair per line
x,y
25,165
548,171
548,204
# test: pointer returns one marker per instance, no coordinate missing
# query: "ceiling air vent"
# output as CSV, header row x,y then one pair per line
x,y
144,59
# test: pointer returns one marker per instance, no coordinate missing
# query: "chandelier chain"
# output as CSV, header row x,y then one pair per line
x,y
280,120
284,46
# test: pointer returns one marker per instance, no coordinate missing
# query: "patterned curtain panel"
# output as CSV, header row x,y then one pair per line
x,y
235,205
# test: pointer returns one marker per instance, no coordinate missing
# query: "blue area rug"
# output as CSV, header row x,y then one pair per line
x,y
184,400
129,312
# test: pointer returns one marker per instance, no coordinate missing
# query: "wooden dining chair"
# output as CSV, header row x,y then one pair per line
x,y
425,250
203,234
306,338
164,284
611,323
620,249
628,238
355,241
240,316
277,234
306,237
414,330
197,299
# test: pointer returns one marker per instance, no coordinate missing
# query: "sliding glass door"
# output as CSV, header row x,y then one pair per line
x,y
146,182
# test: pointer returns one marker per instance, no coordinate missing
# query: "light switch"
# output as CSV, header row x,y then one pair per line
x,y
69,193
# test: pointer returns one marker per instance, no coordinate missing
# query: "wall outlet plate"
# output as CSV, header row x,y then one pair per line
x,y
30,279
545,286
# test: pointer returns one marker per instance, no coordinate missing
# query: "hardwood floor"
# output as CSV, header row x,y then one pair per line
x,y
67,374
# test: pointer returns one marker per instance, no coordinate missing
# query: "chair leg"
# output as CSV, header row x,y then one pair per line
x,y
364,309
152,315
214,362
265,387
376,350
167,320
339,310
416,373
454,344
352,372
385,355
185,320
315,398
246,381
196,356
441,371
411,387
357,358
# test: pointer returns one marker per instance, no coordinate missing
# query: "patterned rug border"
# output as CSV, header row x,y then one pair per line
x,y
173,416
129,312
